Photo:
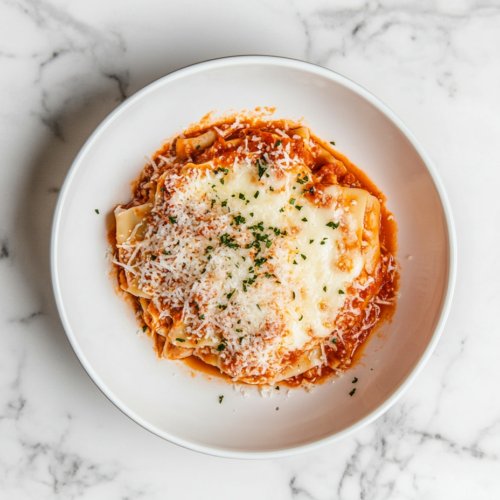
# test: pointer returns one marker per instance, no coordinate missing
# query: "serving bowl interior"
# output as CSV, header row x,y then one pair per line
x,y
167,397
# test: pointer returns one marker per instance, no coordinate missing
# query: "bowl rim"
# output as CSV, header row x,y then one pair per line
x,y
380,106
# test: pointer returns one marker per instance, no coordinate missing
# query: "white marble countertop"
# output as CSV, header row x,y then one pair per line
x,y
64,65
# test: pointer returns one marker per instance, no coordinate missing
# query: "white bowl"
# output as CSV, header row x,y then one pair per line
x,y
162,395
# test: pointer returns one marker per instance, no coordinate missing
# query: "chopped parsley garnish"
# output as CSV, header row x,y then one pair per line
x,y
293,295
239,330
97,211
258,227
240,338
292,201
259,262
301,316
302,181
251,214
277,387
304,220
355,380
173,220
198,147
222,307
229,295
271,189
180,340
299,208
213,203
256,195
352,392
303,256
224,203
311,241
332,142
230,275
295,263
228,241
259,307
144,328
201,316
334,341
166,253
220,399
238,219
153,257
268,243
208,249
311,190
325,288
262,170
334,225
221,347
222,181
277,144
282,209
241,196
341,292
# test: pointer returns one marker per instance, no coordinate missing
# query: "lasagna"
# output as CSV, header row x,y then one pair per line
x,y
251,245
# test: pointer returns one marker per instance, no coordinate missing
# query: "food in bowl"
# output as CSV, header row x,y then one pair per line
x,y
256,247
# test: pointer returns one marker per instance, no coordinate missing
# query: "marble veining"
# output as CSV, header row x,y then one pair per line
x,y
65,65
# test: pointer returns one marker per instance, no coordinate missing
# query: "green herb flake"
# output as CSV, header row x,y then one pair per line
x,y
198,147
180,340
222,181
224,203
271,189
341,292
335,341
239,330
144,328
228,241
277,387
325,288
153,257
295,263
230,275
301,317
201,316
299,208
355,380
97,211
256,195
277,144
268,244
259,307
220,399
239,220
333,225
241,196
352,392
293,295
332,142
304,219
292,201
303,256
173,220
229,295
221,347
282,209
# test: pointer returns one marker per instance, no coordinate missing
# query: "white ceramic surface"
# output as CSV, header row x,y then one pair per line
x,y
161,395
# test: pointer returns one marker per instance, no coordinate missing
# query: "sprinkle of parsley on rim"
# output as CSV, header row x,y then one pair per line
x,y
355,380
220,399
332,142
352,392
